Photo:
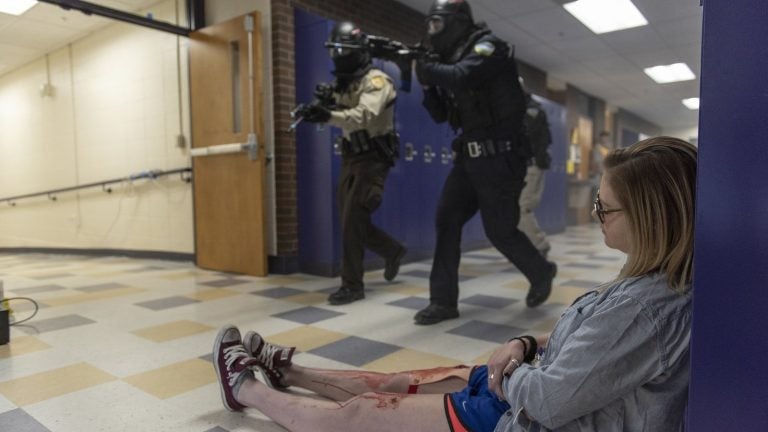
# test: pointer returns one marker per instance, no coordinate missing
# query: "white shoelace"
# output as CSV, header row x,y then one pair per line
x,y
232,355
267,354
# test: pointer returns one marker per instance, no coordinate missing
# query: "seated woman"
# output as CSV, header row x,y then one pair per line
x,y
616,360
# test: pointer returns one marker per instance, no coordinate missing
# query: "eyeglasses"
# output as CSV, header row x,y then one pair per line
x,y
600,211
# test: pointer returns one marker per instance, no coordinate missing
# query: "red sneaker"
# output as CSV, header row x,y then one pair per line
x,y
269,358
233,365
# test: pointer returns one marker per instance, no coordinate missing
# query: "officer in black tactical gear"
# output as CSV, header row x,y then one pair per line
x,y
364,109
474,86
539,139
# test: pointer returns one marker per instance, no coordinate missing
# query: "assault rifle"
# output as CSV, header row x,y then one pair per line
x,y
400,54
323,97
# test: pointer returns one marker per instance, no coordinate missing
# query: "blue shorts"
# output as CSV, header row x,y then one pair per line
x,y
476,408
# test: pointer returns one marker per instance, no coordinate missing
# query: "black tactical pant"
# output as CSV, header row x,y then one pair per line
x,y
491,185
360,192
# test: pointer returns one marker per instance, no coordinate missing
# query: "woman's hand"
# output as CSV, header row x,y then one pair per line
x,y
504,360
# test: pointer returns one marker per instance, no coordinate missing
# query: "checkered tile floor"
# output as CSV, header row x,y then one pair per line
x,y
123,344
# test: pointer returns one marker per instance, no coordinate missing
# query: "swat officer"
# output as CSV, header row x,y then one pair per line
x,y
364,110
539,139
474,86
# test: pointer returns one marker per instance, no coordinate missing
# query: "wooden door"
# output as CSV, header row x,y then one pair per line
x,y
228,188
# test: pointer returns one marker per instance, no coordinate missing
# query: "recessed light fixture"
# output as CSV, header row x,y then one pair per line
x,y
16,7
691,103
603,16
670,73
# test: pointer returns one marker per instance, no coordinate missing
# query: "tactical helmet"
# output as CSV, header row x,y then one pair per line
x,y
448,23
450,7
348,47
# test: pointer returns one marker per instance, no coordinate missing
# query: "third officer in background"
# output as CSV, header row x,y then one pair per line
x,y
364,110
474,86
539,139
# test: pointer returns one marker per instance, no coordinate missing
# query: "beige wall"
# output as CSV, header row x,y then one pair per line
x,y
115,112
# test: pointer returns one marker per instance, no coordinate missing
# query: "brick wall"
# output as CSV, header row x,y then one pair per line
x,y
382,17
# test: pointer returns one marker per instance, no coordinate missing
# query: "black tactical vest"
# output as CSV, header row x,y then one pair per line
x,y
493,109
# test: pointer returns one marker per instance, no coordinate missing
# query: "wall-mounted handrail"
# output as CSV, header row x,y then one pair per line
x,y
184,173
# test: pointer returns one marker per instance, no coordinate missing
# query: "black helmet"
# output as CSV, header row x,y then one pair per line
x,y
448,23
348,47
450,7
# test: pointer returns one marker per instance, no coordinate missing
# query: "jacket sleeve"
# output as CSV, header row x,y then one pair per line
x,y
612,352
473,69
373,101
435,105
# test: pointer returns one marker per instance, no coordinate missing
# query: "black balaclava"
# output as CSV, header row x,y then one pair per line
x,y
457,25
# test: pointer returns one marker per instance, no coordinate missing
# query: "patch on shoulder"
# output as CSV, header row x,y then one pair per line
x,y
533,112
378,82
484,48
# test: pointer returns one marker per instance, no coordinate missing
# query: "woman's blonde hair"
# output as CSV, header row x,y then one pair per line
x,y
655,184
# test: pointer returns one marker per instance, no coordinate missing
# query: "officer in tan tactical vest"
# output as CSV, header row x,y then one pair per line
x,y
363,107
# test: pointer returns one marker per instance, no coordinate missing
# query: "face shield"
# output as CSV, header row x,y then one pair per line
x,y
435,24
337,49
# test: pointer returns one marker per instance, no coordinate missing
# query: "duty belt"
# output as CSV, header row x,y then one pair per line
x,y
487,148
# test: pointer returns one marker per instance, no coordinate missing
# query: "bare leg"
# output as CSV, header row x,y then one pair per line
x,y
368,412
340,385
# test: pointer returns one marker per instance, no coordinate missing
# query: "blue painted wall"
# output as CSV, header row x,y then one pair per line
x,y
729,382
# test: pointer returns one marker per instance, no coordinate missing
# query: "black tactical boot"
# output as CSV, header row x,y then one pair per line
x,y
539,291
434,313
346,295
392,266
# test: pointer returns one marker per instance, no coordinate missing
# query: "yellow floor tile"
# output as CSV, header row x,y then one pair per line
x,y
174,379
172,330
305,338
93,296
46,385
213,294
22,345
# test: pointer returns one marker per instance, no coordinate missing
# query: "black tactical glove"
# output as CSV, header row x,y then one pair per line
x,y
316,114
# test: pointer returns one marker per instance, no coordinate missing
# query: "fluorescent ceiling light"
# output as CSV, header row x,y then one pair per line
x,y
670,73
691,103
16,7
603,16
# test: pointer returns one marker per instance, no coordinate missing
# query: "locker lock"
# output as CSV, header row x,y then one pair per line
x,y
446,156
429,154
410,152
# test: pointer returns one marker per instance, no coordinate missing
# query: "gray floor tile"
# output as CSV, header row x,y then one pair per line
x,y
53,324
493,302
36,289
17,420
308,315
100,287
415,303
355,351
221,283
278,292
486,331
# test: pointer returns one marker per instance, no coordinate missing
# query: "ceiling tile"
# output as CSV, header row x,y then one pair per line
x,y
506,8
552,25
662,10
633,40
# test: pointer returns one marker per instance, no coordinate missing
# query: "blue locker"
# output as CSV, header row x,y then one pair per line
x,y
551,213
317,167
